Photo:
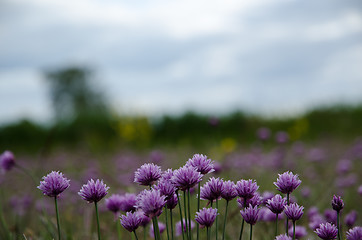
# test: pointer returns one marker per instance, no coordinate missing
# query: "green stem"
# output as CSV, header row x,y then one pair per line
x,y
189,212
226,213
57,213
2,220
293,230
135,235
276,225
98,229
241,230
251,231
208,233
118,225
338,227
216,224
287,220
198,207
156,230
185,211
144,233
182,221
171,224
168,234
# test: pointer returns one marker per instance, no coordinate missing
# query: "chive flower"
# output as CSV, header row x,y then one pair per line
x,y
246,188
130,221
354,233
337,203
114,203
228,190
327,231
276,204
93,191
293,211
212,189
283,237
201,163
186,177
7,160
300,232
151,202
54,184
287,182
147,174
128,202
206,217
250,214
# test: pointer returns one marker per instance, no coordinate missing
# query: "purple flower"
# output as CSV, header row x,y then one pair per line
x,y
299,232
266,196
186,177
211,189
151,202
54,184
276,204
331,216
161,228
178,227
128,202
7,160
228,190
166,188
313,211
114,203
201,163
254,201
266,215
93,191
250,214
351,218
337,203
360,190
327,231
283,237
287,182
144,219
246,188
263,133
293,211
206,217
167,175
354,233
281,137
147,174
171,203
130,221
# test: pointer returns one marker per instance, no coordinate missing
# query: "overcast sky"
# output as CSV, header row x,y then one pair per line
x,y
164,56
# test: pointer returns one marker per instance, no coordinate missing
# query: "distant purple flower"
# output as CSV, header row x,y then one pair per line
x,y
54,184
130,221
93,191
147,174
250,214
266,196
327,231
277,204
312,211
128,202
256,200
228,191
113,203
211,189
151,202
305,192
263,133
351,218
316,221
281,137
156,156
201,163
178,227
161,228
144,219
316,155
7,160
206,217
266,215
360,190
186,177
20,204
283,237
300,232
171,203
337,203
331,216
354,233
343,166
287,182
293,211
246,188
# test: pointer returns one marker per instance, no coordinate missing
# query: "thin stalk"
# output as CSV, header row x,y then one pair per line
x,y
198,207
157,229
216,224
2,220
168,234
98,229
182,221
241,230
118,225
171,224
293,230
251,231
185,210
338,226
276,225
226,213
154,228
208,233
57,213
287,220
135,235
189,212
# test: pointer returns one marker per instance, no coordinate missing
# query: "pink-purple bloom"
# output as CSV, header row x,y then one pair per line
x,y
276,204
355,233
256,200
287,182
130,221
350,219
7,160
246,188
293,211
54,184
250,214
283,237
201,163
228,190
128,202
114,203
211,189
186,177
300,232
327,231
206,217
147,174
93,191
337,203
151,202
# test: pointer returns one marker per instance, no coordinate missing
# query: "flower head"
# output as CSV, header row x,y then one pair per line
x,y
228,191
212,189
130,221
7,160
287,182
186,177
294,211
300,232
276,204
201,163
354,233
250,214
54,184
114,203
151,202
144,219
337,203
254,201
326,231
246,188
171,203
206,217
128,202
350,218
147,174
93,191
283,237
166,188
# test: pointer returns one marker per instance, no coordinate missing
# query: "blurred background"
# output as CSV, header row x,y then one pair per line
x,y
107,75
